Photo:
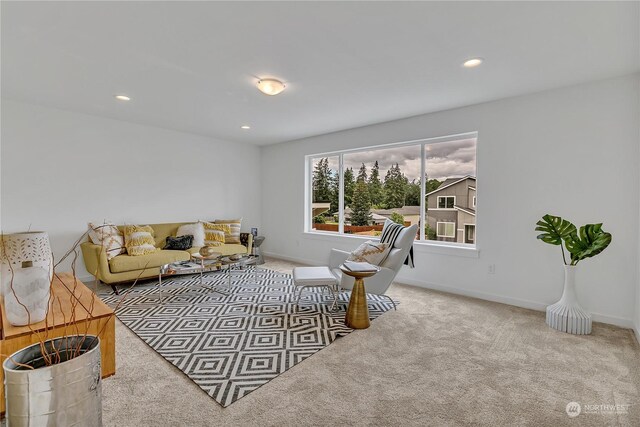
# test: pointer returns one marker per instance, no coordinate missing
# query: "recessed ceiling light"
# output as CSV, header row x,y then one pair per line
x,y
245,127
122,98
270,86
473,62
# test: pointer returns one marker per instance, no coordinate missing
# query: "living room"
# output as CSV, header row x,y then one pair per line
x,y
438,146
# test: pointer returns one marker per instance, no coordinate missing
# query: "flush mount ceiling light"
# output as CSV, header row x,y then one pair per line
x,y
473,62
245,127
122,97
270,86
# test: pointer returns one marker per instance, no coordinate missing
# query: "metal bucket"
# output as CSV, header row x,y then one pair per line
x,y
68,393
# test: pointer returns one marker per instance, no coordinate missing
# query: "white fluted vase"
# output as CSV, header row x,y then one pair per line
x,y
567,315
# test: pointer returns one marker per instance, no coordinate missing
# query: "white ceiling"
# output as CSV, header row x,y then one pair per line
x,y
192,66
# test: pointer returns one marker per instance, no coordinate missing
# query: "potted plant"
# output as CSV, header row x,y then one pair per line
x,y
57,380
567,315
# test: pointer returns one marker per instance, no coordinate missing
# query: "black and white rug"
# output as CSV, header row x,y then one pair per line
x,y
232,344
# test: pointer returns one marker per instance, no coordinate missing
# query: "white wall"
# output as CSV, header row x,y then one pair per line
x,y
62,169
571,152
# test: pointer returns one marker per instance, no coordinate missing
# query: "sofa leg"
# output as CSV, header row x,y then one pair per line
x,y
115,290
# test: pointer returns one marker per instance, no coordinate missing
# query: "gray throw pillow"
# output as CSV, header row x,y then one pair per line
x,y
181,243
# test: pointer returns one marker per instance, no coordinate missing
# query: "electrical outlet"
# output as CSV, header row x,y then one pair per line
x,y
492,269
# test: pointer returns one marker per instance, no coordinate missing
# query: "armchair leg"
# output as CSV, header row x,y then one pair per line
x,y
392,301
115,290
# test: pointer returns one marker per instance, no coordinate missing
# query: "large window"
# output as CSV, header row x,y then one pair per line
x,y
431,183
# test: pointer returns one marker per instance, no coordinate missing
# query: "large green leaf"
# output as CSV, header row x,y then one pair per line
x,y
588,242
554,229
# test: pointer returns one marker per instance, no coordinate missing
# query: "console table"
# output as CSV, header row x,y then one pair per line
x,y
100,318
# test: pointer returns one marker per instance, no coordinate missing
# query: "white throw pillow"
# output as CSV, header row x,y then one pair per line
x,y
109,237
371,252
196,230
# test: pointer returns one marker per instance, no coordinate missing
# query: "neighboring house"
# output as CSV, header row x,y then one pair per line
x,y
375,218
411,214
451,210
319,208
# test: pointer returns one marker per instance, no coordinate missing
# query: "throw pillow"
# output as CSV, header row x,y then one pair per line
x,y
196,230
233,236
181,243
109,237
371,252
215,234
214,238
138,240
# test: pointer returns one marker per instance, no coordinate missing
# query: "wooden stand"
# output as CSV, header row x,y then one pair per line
x,y
91,317
357,316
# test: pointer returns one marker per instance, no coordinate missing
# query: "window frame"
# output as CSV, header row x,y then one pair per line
x,y
309,159
452,208
445,236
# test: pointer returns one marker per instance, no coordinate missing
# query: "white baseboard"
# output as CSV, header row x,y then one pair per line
x,y
532,305
293,259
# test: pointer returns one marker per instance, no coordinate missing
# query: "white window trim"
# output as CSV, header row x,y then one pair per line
x,y
433,246
464,233
445,203
443,235
474,201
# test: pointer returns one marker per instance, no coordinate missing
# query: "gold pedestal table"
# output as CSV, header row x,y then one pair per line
x,y
358,312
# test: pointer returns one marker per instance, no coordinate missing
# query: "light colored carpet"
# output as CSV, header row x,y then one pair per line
x,y
440,360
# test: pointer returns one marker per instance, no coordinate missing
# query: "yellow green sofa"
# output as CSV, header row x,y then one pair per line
x,y
127,268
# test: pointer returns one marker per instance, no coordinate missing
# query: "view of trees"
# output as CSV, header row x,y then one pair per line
x,y
366,191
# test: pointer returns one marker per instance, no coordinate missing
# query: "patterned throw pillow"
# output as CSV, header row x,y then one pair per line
x,y
196,230
139,240
181,243
215,234
233,236
109,237
371,252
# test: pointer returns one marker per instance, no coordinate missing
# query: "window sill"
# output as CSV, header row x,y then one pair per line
x,y
418,246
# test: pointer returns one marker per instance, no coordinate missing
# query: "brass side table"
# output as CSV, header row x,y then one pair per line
x,y
357,316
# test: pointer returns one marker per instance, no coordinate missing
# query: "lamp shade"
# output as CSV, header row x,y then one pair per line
x,y
22,250
29,247
270,86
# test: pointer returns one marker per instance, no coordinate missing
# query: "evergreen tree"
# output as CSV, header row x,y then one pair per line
x,y
335,193
361,204
375,186
394,188
349,185
362,174
412,193
322,181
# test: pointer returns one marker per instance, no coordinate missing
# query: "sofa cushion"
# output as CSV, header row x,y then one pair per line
x,y
138,239
109,237
195,229
233,236
122,263
181,243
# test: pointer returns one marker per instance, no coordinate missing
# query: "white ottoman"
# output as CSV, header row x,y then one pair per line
x,y
314,277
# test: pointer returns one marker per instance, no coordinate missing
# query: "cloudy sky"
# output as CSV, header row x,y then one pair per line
x,y
444,160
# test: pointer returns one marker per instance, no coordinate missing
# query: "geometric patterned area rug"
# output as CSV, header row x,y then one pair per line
x,y
232,344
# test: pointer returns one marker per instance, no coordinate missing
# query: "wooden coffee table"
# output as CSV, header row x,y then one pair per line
x,y
357,316
97,320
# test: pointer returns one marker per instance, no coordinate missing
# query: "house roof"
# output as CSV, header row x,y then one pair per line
x,y
467,210
449,182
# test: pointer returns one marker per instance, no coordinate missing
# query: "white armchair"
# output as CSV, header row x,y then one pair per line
x,y
379,283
